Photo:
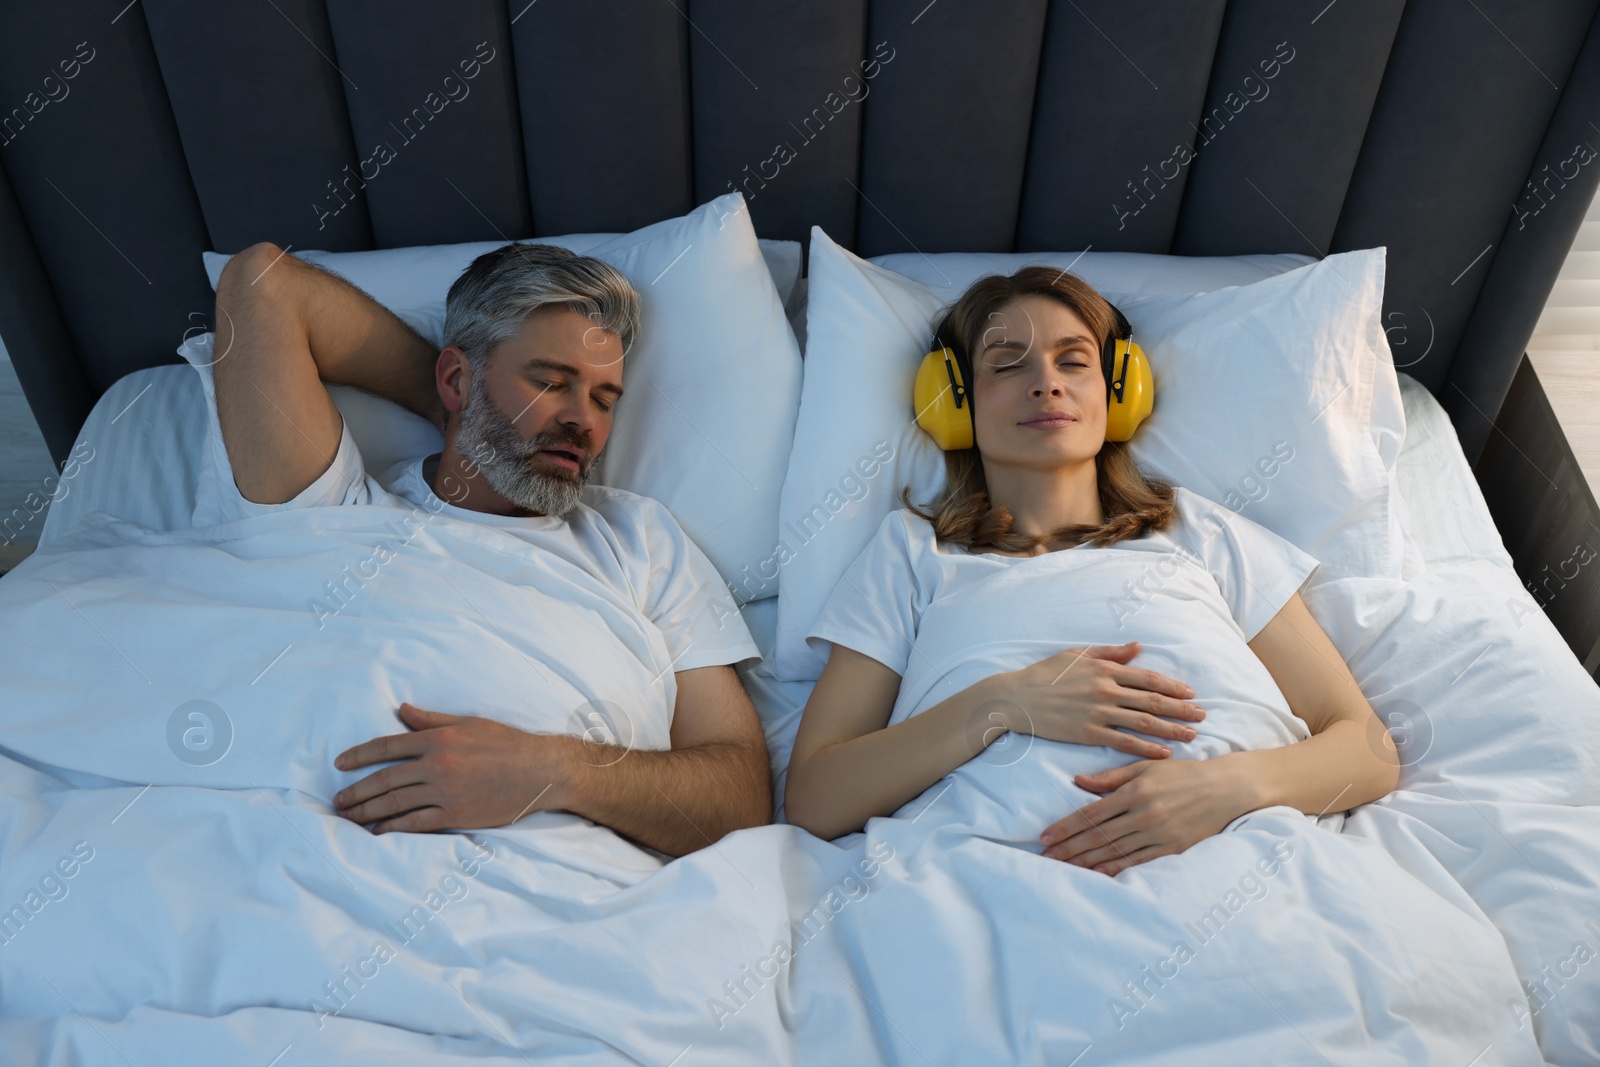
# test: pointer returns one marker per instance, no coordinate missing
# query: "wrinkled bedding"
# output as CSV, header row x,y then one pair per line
x,y
223,911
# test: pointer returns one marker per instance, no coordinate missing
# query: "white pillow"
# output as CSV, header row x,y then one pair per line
x,y
1134,275
1237,370
1130,274
412,282
713,381
1297,363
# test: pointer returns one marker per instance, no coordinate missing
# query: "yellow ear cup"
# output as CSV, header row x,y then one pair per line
x,y
940,399
943,405
1131,377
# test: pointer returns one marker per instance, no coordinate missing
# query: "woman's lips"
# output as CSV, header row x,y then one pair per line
x,y
1054,422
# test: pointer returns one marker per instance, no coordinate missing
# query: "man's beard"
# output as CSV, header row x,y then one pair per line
x,y
490,441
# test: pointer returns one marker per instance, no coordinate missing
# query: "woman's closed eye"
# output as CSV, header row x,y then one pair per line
x,y
1073,359
1059,363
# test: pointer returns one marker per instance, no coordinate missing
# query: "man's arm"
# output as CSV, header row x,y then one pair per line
x,y
464,772
716,779
283,328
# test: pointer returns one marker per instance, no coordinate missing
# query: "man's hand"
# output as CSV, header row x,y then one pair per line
x,y
463,772
1154,808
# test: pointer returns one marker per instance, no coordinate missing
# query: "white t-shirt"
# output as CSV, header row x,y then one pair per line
x,y
630,542
943,617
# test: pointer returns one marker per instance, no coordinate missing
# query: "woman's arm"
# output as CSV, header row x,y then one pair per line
x,y
1159,808
1349,760
847,767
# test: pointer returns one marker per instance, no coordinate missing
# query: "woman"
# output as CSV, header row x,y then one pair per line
x,y
1045,527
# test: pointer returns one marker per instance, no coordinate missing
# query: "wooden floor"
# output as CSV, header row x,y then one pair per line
x,y
24,465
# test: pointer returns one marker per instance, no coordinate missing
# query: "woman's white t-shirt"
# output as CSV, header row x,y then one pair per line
x,y
1193,595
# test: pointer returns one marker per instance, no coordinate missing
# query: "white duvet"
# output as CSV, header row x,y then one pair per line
x,y
223,913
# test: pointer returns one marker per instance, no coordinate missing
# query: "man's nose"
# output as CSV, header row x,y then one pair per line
x,y
577,417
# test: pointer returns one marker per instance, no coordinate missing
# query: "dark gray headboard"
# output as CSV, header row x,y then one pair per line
x,y
1452,131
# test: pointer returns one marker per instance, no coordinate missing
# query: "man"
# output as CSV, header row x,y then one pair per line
x,y
524,392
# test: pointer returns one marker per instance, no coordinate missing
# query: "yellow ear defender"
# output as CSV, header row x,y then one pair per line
x,y
943,401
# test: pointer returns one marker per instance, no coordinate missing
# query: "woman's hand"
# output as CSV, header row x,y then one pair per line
x,y
1090,696
1153,808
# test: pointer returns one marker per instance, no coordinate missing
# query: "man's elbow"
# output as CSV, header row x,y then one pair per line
x,y
760,804
248,270
752,804
757,813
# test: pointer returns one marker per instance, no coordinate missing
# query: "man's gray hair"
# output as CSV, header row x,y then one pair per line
x,y
493,296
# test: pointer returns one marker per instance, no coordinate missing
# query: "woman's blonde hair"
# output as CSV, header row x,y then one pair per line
x,y
1131,503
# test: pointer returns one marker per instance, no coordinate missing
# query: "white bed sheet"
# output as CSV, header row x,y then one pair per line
x,y
1446,511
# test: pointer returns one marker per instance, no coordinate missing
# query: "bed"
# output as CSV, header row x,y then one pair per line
x,y
191,911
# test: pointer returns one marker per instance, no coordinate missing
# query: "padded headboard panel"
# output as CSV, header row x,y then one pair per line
x,y
133,136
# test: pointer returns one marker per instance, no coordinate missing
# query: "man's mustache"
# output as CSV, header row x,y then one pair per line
x,y
581,442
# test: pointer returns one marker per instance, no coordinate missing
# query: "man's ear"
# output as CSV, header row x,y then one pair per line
x,y
453,376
